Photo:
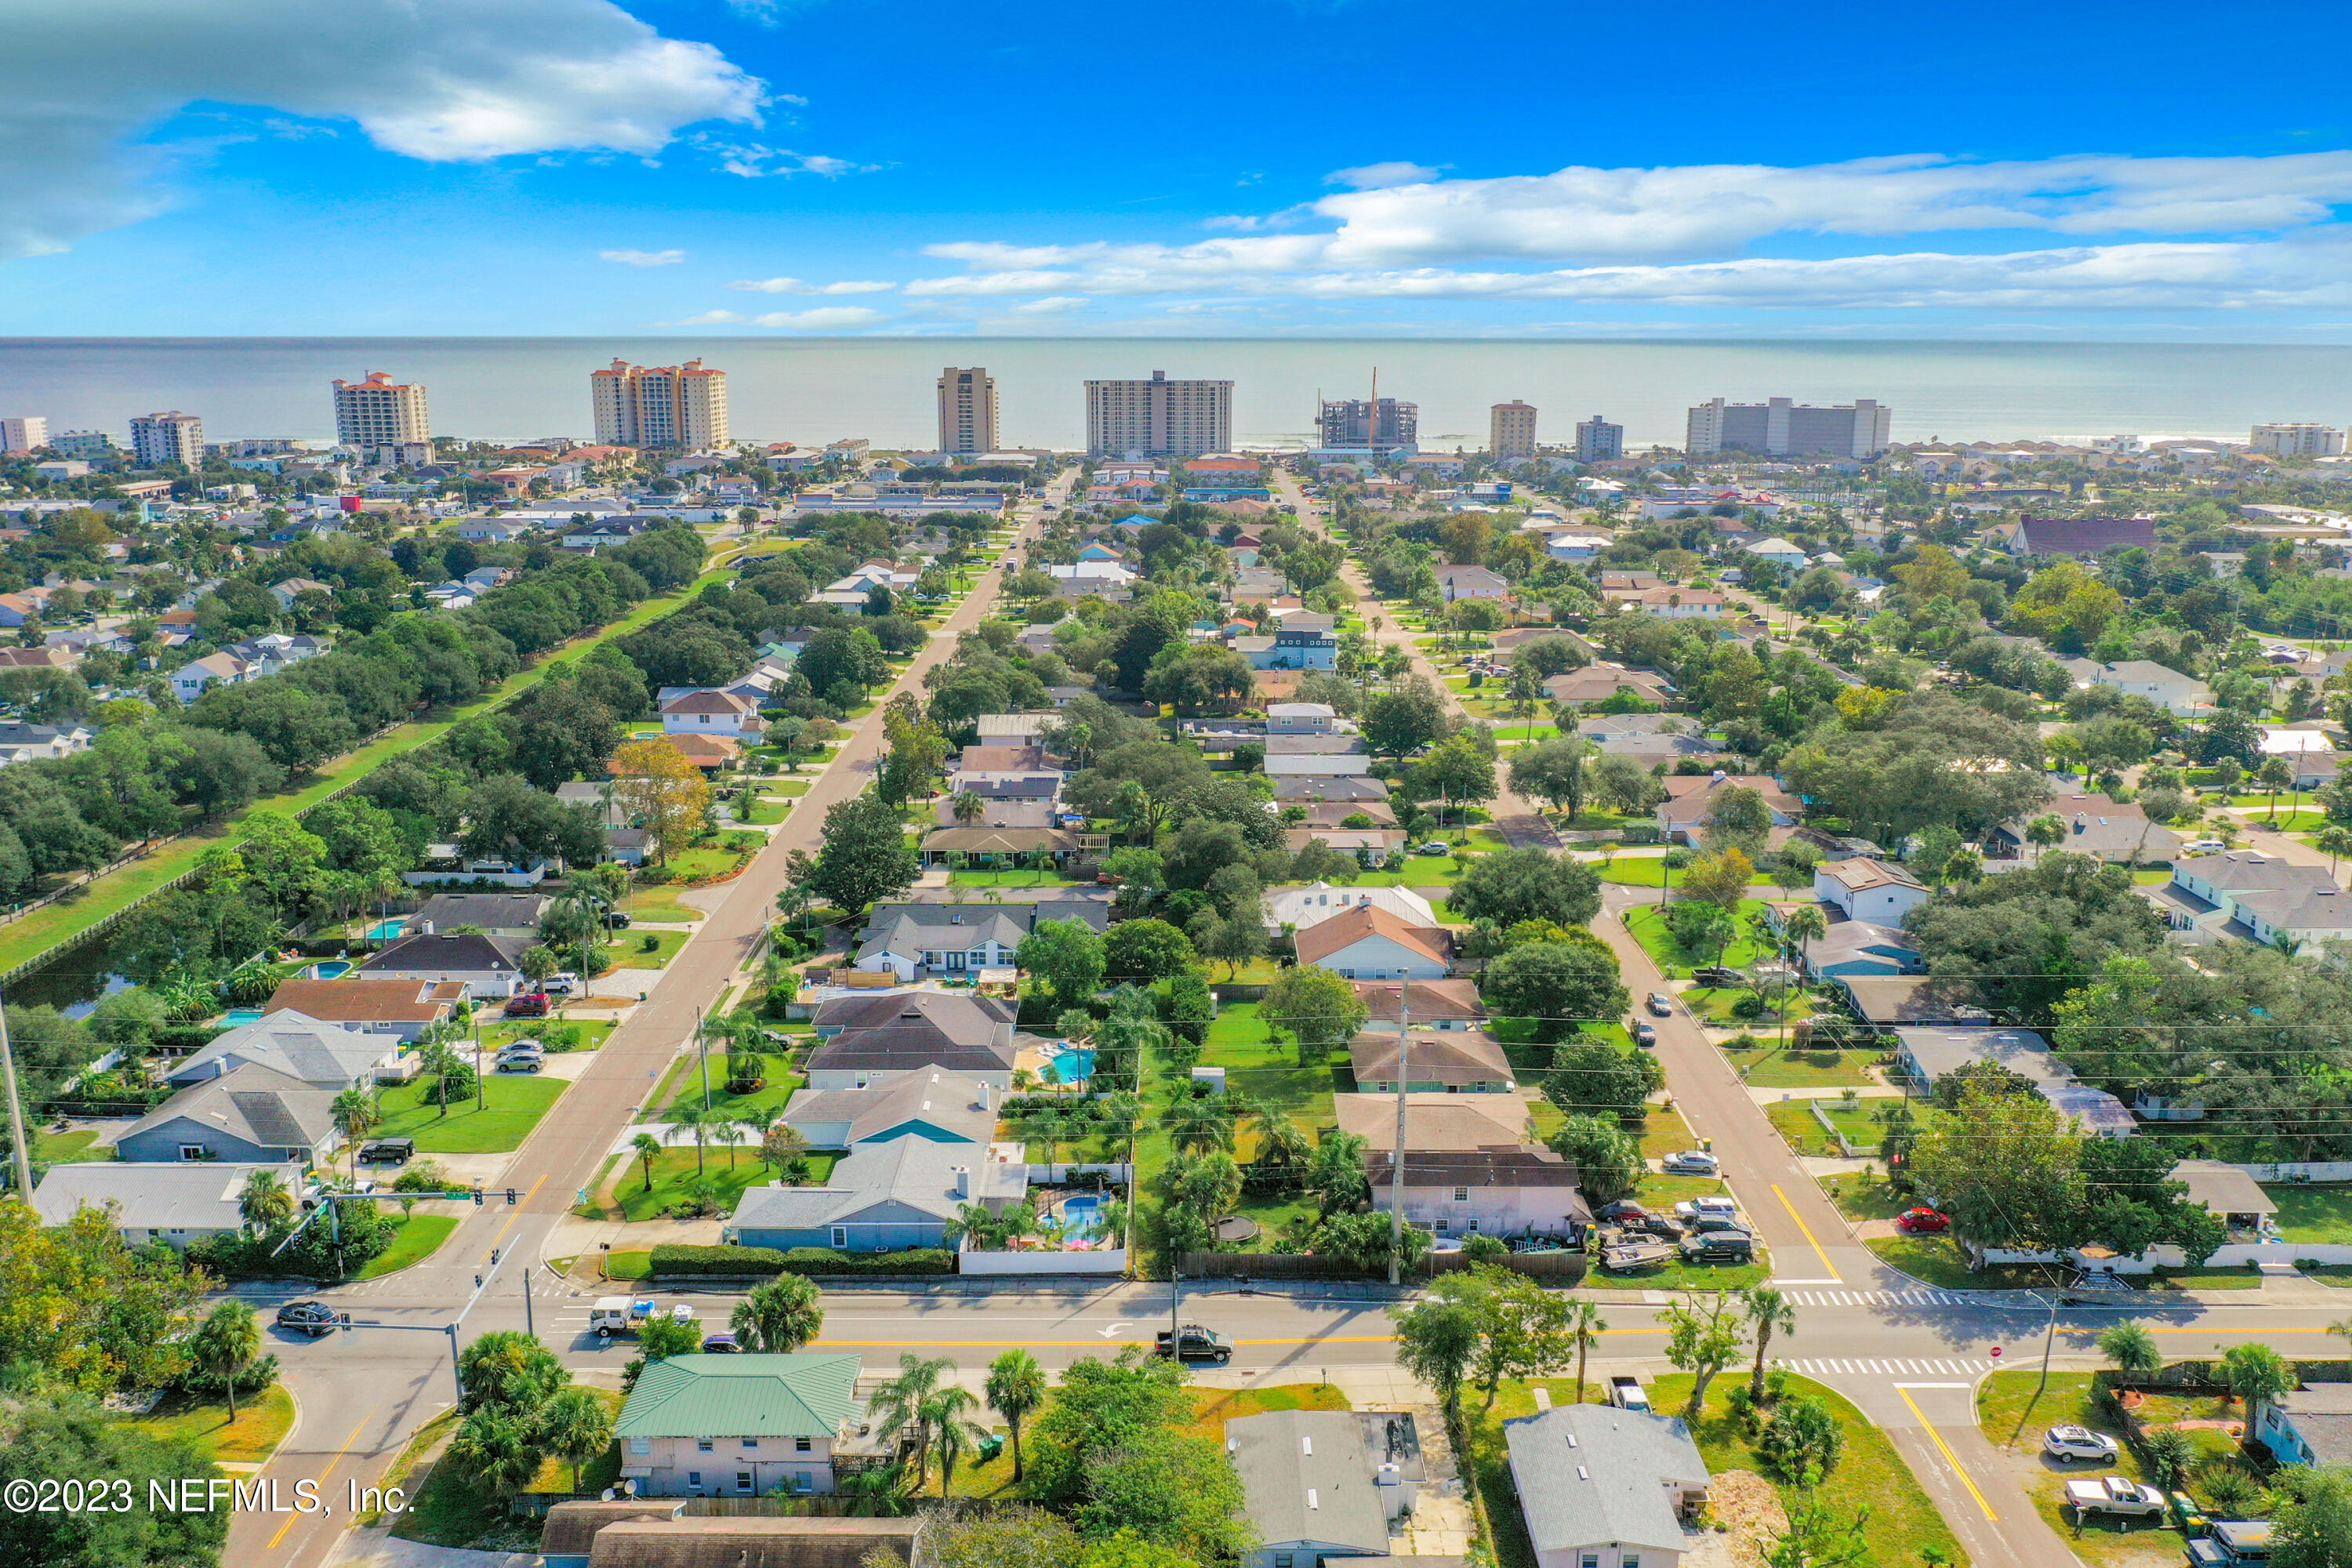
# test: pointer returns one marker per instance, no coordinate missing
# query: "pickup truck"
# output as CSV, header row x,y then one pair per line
x,y
1627,1394
1197,1344
2116,1495
619,1315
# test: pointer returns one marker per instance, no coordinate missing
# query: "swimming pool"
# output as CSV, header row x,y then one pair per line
x,y
385,930
1075,1065
334,969
245,1016
1082,1218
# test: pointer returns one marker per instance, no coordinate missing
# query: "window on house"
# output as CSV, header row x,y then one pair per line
x,y
743,1480
694,1478
641,1445
705,1445
802,1445
1461,1194
804,1482
751,1442
840,1236
192,1150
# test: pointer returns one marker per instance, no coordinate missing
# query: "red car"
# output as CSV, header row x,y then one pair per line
x,y
1923,1222
527,1005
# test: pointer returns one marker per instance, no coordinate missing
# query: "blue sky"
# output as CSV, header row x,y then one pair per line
x,y
1342,167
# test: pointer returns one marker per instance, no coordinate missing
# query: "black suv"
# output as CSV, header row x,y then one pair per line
x,y
1720,1247
312,1317
1197,1344
389,1151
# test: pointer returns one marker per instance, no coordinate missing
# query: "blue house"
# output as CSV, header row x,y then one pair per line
x,y
252,1115
881,1197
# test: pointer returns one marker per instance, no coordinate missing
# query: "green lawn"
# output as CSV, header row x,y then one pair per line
x,y
2313,1212
1938,1260
1043,878
1862,1197
2206,1280
705,863
683,1082
1870,1474
447,1509
1648,927
69,917
2013,1411
658,905
1796,1122
512,1104
261,1424
58,1147
629,951
673,1168
1770,1067
416,1237
1271,1073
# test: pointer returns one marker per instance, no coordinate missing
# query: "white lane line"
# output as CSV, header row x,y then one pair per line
x,y
1931,1385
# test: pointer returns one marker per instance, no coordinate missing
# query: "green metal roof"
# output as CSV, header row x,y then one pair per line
x,y
741,1397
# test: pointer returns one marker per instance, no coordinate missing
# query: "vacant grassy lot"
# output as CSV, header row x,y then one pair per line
x,y
1768,1067
630,951
2313,1213
262,1423
511,1107
414,1238
1648,927
729,1170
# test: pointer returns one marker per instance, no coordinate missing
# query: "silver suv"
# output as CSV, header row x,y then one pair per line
x,y
2069,1445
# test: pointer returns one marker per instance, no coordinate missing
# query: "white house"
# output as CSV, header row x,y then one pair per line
x,y
914,941
2180,695
1604,1488
176,1205
190,681
713,714
1299,718
1780,552
1368,942
1878,891
1566,546
1300,908
485,965
1471,583
1503,1189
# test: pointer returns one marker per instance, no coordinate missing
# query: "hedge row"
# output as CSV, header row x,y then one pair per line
x,y
676,1258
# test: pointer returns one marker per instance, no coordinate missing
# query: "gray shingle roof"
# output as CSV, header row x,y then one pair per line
x,y
911,931
491,911
201,1195
255,1104
1306,1476
914,1171
301,1046
950,1101
1591,1474
446,954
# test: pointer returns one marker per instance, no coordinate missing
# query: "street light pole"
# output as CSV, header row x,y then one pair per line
x,y
1396,1171
702,1055
22,1150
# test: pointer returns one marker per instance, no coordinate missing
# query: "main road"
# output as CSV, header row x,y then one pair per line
x,y
363,1395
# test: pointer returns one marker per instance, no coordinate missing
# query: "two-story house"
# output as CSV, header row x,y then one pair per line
x,y
1879,891
738,1426
713,714
191,679
1368,942
1501,1189
2257,898
1454,1061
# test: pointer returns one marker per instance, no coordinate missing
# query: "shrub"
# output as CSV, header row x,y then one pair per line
x,y
1801,1437
1677,857
677,1258
252,1378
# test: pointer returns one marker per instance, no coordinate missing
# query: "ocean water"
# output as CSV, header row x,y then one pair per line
x,y
817,390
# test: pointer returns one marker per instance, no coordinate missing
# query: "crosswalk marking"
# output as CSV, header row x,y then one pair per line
x,y
1920,1297
1912,1366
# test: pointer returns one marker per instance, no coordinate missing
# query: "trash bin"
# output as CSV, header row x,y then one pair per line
x,y
990,1447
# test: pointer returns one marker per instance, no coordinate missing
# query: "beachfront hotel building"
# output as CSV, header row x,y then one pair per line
x,y
1511,429
967,411
1597,440
1784,428
677,406
381,411
1160,417
174,437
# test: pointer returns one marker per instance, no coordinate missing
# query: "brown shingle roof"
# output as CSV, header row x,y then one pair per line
x,y
355,1001
1325,938
752,1543
1451,1001
1455,1056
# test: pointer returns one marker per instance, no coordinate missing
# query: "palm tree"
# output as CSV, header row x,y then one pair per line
x,y
646,1146
899,1406
975,1223
2131,1348
952,1429
688,1116
729,1131
497,1449
1768,1311
968,807
1585,1326
2337,840
779,1316
263,1202
1803,924
225,1344
1197,1123
1016,1386
2254,1374
355,1111
578,1426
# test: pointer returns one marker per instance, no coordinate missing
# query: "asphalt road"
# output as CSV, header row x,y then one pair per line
x,y
361,1395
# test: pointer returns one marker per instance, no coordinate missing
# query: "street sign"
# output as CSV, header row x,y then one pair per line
x,y
1996,1353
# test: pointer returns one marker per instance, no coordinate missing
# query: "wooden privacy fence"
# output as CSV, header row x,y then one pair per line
x,y
1563,1268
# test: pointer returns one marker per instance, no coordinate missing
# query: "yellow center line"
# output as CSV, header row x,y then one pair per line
x,y
337,1458
1949,1457
1826,1266
517,1214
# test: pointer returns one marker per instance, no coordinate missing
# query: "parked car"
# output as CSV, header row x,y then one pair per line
x,y
1714,974
1622,1210
2116,1495
1433,847
720,1344
2068,1443
1659,1004
1923,1222
1732,1245
2203,846
527,1005
1691,1162
388,1151
616,919
519,1063
526,1045
1627,1394
1197,1343
1715,1204
562,982
1646,1035
312,1317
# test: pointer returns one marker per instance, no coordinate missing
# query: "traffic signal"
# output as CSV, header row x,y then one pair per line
x,y
478,1197
510,1197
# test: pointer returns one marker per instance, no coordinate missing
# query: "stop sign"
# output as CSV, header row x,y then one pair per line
x,y
1996,1353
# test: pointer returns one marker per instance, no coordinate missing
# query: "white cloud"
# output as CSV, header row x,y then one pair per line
x,y
823,319
2200,233
1053,305
754,161
644,257
1374,177
435,80
794,286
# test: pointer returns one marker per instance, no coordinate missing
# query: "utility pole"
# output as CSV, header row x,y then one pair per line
x,y
1396,1171
703,1057
481,1100
23,1149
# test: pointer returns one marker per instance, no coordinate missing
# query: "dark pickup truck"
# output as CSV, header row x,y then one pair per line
x,y
1197,1344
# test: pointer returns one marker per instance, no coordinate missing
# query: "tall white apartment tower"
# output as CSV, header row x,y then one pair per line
x,y
380,412
683,406
21,433
1160,417
1597,440
1784,426
2298,440
174,437
1511,429
966,410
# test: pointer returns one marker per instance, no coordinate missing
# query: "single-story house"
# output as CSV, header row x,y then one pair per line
x,y
2181,695
1368,942
1598,682
1889,1001
1308,906
1423,1004
929,1102
1862,890
1927,1054
1319,764
738,1426
1499,1189
1690,799
2229,1194
735,1540
487,965
2311,1426
912,1030
324,1056
382,1005
1853,950
158,1202
1604,1488
915,940
1434,1121
1331,815
516,915
1311,1485
2120,834
254,1115
1453,1062
1300,789
2082,536
881,1197
992,845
